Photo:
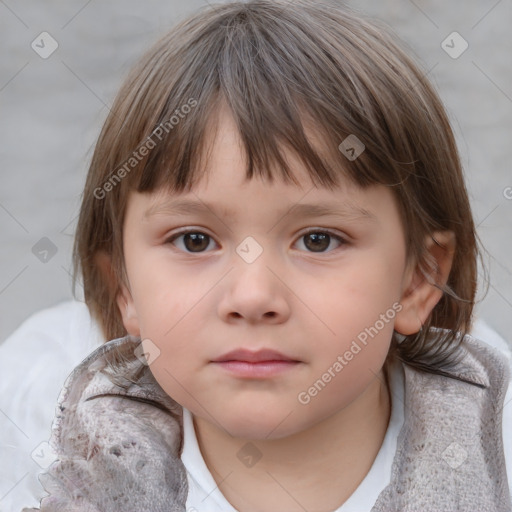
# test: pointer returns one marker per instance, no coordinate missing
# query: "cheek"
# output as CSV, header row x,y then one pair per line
x,y
358,310
356,299
171,313
344,365
163,297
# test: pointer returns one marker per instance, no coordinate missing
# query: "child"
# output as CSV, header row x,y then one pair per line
x,y
311,352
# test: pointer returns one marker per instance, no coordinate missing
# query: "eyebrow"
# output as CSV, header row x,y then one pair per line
x,y
345,209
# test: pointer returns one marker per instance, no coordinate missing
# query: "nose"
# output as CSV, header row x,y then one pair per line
x,y
255,293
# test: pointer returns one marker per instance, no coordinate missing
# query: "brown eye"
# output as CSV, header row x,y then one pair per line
x,y
191,241
198,242
319,241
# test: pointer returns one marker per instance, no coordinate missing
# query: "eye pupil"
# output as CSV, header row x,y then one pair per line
x,y
199,241
320,241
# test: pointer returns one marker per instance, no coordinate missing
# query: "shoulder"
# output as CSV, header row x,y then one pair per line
x,y
451,439
57,325
34,362
485,334
46,347
484,359
477,409
114,428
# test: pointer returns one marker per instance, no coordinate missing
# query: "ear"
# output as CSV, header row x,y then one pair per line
x,y
127,309
123,296
421,289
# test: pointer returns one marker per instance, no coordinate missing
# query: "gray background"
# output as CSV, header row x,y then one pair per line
x,y
52,111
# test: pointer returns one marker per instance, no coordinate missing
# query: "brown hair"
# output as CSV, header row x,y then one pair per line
x,y
279,67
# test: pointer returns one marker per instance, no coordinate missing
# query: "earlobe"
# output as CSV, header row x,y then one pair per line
x,y
127,310
424,282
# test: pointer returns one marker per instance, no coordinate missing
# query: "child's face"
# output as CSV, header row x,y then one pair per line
x,y
305,297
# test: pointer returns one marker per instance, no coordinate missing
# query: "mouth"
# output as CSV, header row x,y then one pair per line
x,y
261,364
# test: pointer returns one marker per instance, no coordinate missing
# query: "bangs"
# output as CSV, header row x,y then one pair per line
x,y
280,97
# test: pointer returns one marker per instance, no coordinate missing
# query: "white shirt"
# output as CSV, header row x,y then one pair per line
x,y
35,361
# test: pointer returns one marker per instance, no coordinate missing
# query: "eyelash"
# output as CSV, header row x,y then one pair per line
x,y
340,239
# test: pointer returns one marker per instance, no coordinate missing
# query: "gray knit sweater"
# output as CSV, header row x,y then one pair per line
x,y
119,438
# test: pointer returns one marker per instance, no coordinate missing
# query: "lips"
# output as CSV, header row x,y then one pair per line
x,y
244,355
262,364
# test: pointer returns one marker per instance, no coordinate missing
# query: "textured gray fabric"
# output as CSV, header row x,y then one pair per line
x,y
119,439
450,453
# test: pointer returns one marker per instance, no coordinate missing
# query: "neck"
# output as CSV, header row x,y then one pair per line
x,y
315,469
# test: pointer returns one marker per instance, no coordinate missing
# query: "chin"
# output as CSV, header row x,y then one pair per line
x,y
260,426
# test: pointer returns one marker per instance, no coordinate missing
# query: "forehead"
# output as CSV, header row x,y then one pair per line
x,y
224,188
261,203
225,161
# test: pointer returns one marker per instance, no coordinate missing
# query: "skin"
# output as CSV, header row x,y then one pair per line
x,y
307,304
